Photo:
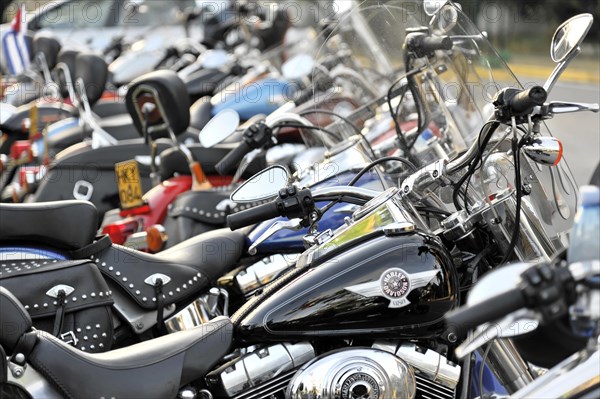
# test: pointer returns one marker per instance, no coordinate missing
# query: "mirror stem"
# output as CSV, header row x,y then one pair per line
x,y
153,169
559,69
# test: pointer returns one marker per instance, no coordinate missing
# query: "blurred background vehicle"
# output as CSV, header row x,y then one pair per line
x,y
519,29
95,23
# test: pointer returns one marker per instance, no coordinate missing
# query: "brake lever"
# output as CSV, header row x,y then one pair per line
x,y
246,161
559,107
490,331
292,224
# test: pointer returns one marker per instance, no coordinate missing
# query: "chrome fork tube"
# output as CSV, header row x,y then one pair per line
x,y
508,365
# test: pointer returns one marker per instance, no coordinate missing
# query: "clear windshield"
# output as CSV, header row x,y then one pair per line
x,y
456,88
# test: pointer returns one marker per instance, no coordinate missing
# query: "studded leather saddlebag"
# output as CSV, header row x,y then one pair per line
x,y
68,299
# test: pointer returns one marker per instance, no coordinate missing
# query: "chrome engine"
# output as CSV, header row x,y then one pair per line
x,y
262,273
385,370
216,301
354,373
260,373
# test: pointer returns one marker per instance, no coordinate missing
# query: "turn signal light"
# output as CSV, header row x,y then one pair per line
x,y
121,230
544,150
156,238
21,149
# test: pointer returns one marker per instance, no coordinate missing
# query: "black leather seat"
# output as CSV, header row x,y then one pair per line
x,y
66,57
151,369
173,161
47,44
14,320
119,126
93,71
168,93
185,270
64,225
200,113
212,254
110,107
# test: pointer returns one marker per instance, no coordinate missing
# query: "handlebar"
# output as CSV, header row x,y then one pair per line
x,y
298,203
466,318
423,44
546,289
252,216
524,101
291,202
321,82
511,103
432,43
233,158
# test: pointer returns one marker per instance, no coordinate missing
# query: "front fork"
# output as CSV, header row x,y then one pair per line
x,y
504,371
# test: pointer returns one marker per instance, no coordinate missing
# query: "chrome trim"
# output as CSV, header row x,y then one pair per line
x,y
199,312
561,107
280,118
374,203
35,384
261,273
327,193
336,374
292,224
89,190
582,270
559,69
463,160
340,71
54,291
509,365
100,137
544,150
567,379
153,278
259,367
426,362
68,81
398,228
137,241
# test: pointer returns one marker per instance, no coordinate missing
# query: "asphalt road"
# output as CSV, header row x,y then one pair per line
x,y
579,132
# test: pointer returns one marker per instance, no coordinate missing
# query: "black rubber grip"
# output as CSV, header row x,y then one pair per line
x,y
304,96
321,82
332,61
431,43
253,215
525,100
468,318
233,158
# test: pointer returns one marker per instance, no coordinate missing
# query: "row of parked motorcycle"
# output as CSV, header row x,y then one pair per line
x,y
367,213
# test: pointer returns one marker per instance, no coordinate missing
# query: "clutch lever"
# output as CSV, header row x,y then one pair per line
x,y
292,224
246,161
559,107
490,331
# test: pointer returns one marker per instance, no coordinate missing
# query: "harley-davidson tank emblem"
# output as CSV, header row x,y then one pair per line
x,y
395,284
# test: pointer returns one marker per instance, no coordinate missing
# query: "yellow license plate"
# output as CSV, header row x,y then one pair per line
x,y
129,184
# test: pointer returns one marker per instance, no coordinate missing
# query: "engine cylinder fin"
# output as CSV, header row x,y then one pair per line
x,y
427,389
276,385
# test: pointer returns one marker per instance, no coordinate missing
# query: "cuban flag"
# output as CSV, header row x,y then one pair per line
x,y
14,45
